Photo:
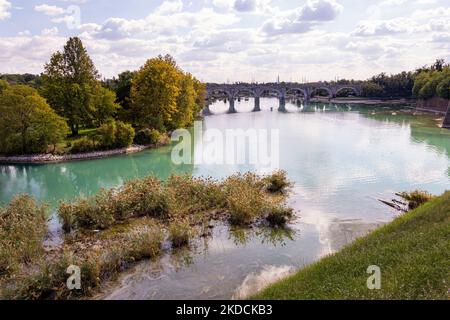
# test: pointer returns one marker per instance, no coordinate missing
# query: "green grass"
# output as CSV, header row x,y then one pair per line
x,y
413,253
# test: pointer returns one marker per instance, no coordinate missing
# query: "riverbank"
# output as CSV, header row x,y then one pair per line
x,y
412,252
367,101
51,158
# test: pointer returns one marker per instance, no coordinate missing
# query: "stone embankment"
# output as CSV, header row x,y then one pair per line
x,y
46,158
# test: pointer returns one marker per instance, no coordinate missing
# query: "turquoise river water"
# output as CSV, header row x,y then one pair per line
x,y
342,158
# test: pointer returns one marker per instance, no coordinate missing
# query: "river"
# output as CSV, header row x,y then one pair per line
x,y
340,157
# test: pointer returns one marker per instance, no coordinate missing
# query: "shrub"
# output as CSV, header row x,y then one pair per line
x,y
245,201
23,227
94,213
144,197
195,195
124,135
50,280
137,198
279,215
277,182
416,198
106,135
148,136
145,242
115,134
83,144
180,233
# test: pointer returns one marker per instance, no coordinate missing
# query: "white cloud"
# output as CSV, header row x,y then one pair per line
x,y
254,6
420,21
158,24
244,6
50,31
441,38
169,7
393,2
302,19
381,28
319,10
4,9
238,40
49,10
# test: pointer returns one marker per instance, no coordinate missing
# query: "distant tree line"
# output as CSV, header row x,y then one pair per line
x,y
69,97
433,82
410,84
31,80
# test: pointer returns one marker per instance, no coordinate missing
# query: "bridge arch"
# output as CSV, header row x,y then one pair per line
x,y
246,93
328,90
267,90
297,90
219,94
352,88
239,92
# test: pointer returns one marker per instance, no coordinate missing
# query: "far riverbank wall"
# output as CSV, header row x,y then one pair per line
x,y
435,104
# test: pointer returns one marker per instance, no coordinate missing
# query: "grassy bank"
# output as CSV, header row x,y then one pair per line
x,y
413,253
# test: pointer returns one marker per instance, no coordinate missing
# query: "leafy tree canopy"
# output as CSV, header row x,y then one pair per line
x,y
28,124
71,86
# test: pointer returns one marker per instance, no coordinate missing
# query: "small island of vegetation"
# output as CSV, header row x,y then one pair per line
x,y
108,232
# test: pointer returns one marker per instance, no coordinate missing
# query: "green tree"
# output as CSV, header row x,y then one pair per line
x,y
104,104
186,106
124,134
443,89
28,124
122,87
115,134
154,93
69,81
421,79
429,89
200,95
371,89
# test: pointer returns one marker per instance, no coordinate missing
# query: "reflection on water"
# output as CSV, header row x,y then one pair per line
x,y
53,182
340,158
255,282
217,268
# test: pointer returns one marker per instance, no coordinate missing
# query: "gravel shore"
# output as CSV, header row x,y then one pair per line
x,y
46,158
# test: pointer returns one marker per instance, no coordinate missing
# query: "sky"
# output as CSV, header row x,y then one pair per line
x,y
232,40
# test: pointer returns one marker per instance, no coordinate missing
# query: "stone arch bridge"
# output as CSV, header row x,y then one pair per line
x,y
231,92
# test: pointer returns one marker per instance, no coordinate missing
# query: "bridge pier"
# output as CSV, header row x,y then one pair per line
x,y
282,107
446,123
232,109
207,111
257,105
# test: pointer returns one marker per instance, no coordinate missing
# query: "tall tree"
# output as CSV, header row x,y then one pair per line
x,y
186,107
68,83
122,87
28,124
200,95
105,106
154,93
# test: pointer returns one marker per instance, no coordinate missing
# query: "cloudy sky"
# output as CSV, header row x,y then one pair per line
x,y
232,40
